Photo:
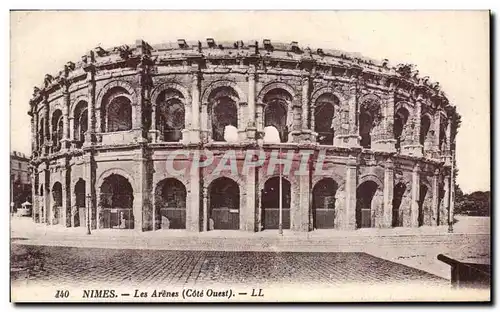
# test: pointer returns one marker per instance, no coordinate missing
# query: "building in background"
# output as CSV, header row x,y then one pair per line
x,y
20,180
105,126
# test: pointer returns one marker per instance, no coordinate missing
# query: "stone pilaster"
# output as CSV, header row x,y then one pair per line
x,y
301,213
248,210
205,131
437,130
91,88
46,147
306,131
435,198
445,205
141,207
47,196
66,202
65,142
34,203
388,193
415,195
352,139
193,206
251,126
351,181
90,188
383,134
195,107
206,217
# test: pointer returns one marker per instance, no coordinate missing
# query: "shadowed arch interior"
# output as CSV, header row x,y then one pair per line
x,y
116,201
80,203
324,113
422,207
324,201
223,103
397,213
364,198
425,125
80,123
116,110
400,122
270,203
275,111
224,198
57,202
57,129
170,204
170,115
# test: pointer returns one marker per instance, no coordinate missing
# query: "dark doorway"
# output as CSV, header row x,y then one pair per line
x,y
397,215
116,199
224,213
170,204
270,204
364,198
324,204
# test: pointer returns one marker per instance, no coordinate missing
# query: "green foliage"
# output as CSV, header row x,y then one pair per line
x,y
474,204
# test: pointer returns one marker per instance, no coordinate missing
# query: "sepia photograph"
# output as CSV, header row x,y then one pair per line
x,y
250,156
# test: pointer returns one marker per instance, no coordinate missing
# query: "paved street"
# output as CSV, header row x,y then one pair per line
x,y
69,266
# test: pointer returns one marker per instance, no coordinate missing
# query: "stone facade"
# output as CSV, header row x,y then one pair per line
x,y
103,128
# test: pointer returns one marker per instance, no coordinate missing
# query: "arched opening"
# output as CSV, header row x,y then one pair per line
x,y
324,200
116,201
441,217
116,110
223,110
170,204
57,130
364,202
80,123
224,199
365,128
425,125
422,204
270,203
369,118
119,114
275,111
324,111
397,212
400,120
170,115
79,216
57,203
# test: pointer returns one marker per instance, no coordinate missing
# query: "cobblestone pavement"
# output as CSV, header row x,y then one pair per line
x,y
70,266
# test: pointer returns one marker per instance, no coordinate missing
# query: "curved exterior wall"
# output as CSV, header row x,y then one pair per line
x,y
118,115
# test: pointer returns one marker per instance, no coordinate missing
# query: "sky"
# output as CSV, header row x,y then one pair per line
x,y
451,47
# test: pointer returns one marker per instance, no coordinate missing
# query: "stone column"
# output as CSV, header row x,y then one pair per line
x,y
48,139
205,132
66,192
351,139
435,198
153,132
193,206
65,142
195,108
445,205
47,196
415,195
437,129
74,208
306,132
383,134
251,126
35,131
248,211
206,220
90,134
302,213
351,181
388,193
90,188
142,207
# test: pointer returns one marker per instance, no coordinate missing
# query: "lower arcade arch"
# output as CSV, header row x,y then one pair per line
x,y
423,204
79,215
323,204
367,202
57,203
224,205
270,204
116,202
170,205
